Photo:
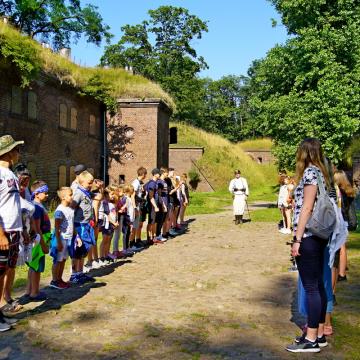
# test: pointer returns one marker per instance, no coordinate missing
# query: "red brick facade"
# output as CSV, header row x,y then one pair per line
x,y
59,127
143,138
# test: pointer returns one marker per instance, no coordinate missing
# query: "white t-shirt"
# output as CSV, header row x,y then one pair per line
x,y
66,215
10,208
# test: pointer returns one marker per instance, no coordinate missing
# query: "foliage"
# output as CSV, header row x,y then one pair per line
x,y
57,21
257,144
353,149
225,107
194,175
221,158
160,49
106,85
309,85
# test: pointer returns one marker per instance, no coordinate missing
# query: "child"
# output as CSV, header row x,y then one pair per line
x,y
119,207
64,232
128,220
42,226
185,197
285,207
163,196
83,222
108,221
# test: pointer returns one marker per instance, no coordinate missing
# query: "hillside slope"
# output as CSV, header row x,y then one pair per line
x,y
222,157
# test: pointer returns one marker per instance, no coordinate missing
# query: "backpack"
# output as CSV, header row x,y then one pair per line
x,y
323,218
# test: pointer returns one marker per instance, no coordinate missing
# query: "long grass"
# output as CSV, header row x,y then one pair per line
x,y
121,84
221,157
256,144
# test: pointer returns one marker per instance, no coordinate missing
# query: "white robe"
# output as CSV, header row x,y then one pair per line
x,y
240,194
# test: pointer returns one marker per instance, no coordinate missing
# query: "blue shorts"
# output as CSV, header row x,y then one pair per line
x,y
87,236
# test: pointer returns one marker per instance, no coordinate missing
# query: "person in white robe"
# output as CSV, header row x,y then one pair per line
x,y
240,191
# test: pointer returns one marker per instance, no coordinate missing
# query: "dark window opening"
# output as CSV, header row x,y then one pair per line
x,y
121,179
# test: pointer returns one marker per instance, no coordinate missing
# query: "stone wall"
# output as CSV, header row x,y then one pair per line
x,y
261,156
183,159
138,135
59,127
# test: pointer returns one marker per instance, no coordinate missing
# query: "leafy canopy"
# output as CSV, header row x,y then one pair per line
x,y
310,85
160,48
56,21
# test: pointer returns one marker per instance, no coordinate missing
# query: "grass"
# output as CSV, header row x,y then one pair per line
x,y
118,82
221,158
256,144
266,215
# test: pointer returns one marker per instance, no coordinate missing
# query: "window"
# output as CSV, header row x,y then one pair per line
x,y
121,179
62,176
63,116
73,119
16,100
32,105
92,125
173,135
72,174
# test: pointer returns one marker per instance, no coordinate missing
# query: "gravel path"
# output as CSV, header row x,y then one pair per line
x,y
219,291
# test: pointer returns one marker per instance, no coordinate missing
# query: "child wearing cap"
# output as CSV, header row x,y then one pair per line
x,y
10,214
42,227
64,231
83,222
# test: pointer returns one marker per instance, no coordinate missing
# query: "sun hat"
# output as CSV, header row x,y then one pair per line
x,y
7,143
78,169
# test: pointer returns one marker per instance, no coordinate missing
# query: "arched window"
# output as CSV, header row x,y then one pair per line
x,y
32,105
63,115
62,176
73,119
16,100
92,125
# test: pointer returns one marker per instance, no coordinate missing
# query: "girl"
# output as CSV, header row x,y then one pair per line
x,y
307,248
185,196
284,205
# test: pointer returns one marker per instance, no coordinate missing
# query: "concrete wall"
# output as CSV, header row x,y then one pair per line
x,y
183,159
261,156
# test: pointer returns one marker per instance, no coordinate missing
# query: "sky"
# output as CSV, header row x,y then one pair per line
x,y
240,31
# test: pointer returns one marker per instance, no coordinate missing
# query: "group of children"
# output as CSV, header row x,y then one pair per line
x,y
86,210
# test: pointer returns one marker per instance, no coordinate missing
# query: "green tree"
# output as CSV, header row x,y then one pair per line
x,y
161,49
310,85
226,107
56,21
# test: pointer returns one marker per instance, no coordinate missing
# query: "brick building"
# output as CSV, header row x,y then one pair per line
x,y
59,127
138,135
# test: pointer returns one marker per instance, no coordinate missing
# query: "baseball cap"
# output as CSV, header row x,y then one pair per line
x,y
79,169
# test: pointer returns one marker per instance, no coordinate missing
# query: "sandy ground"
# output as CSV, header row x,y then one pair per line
x,y
219,291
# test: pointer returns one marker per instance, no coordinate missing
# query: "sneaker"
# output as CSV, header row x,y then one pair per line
x,y
139,242
4,326
86,278
55,284
7,320
139,245
95,265
161,238
283,231
322,341
76,279
135,249
112,257
156,241
41,296
304,346
64,284
109,260
173,232
102,263
342,278
87,267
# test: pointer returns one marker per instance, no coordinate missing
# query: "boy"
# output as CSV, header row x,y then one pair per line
x,y
163,194
64,231
83,221
42,227
152,199
140,212
10,214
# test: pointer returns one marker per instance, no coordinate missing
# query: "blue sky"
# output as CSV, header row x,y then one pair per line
x,y
240,31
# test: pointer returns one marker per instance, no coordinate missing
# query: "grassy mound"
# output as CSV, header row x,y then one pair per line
x,y
29,58
220,159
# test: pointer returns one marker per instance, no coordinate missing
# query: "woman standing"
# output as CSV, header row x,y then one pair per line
x,y
307,248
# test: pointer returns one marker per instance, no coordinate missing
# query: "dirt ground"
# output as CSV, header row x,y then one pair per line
x,y
219,291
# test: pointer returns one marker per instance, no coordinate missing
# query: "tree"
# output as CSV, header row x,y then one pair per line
x,y
56,21
310,85
226,107
161,50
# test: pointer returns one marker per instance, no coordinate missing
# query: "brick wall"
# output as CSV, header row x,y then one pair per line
x,y
33,115
261,156
183,159
137,136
